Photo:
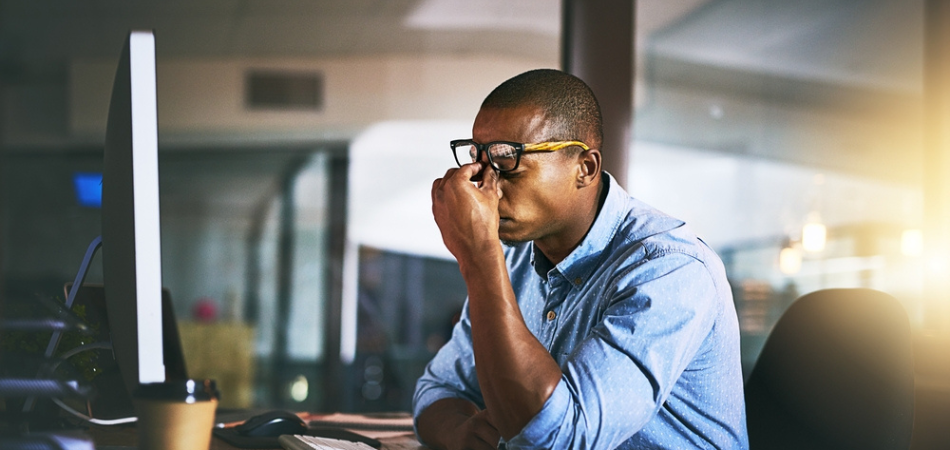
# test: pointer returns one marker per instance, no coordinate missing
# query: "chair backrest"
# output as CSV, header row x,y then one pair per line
x,y
837,372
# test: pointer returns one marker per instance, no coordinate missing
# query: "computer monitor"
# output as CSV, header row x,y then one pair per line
x,y
131,243
112,400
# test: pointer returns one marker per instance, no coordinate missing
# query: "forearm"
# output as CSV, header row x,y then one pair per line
x,y
516,373
437,423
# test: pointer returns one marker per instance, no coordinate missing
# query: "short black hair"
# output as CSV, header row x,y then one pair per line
x,y
566,100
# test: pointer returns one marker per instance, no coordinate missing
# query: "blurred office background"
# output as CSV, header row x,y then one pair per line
x,y
298,140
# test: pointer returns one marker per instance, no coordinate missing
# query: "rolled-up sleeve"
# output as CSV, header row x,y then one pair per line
x,y
451,373
619,376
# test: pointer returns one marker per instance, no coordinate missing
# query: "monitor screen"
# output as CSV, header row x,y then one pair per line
x,y
88,186
131,244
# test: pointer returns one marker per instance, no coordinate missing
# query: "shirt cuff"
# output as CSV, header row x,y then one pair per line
x,y
542,430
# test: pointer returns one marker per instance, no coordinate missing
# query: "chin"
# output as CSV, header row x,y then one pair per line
x,y
510,239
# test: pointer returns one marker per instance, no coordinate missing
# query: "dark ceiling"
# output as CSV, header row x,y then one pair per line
x,y
833,83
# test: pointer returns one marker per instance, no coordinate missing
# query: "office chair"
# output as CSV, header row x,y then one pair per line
x,y
837,372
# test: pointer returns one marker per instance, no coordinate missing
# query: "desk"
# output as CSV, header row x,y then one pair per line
x,y
125,438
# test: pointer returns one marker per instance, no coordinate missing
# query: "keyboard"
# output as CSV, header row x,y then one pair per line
x,y
302,442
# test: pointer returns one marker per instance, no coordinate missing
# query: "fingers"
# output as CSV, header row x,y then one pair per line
x,y
465,172
475,433
468,172
466,212
471,172
489,437
472,168
490,181
484,430
436,186
439,182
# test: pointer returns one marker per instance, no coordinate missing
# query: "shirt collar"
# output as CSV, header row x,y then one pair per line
x,y
582,261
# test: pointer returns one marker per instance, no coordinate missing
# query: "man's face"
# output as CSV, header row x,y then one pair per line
x,y
537,197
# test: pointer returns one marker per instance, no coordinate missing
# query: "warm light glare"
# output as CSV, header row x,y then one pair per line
x,y
813,237
790,260
912,242
938,266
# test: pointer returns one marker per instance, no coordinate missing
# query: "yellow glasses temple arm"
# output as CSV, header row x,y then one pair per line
x,y
554,146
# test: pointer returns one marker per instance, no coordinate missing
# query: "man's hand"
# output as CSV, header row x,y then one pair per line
x,y
455,424
476,433
467,212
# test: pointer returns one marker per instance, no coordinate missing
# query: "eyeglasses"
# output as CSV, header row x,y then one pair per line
x,y
502,155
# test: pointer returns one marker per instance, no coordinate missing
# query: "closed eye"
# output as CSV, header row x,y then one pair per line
x,y
509,175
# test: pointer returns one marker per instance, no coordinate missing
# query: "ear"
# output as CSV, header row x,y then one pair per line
x,y
588,167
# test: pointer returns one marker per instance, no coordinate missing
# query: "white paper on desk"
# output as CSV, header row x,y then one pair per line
x,y
375,434
399,423
402,443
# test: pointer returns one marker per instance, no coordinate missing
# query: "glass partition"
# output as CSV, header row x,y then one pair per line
x,y
789,135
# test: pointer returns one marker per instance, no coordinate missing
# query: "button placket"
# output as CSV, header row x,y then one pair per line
x,y
547,323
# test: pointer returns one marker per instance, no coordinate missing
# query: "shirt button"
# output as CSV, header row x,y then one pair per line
x,y
578,281
551,315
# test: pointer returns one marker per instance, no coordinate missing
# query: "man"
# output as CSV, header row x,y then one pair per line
x,y
600,323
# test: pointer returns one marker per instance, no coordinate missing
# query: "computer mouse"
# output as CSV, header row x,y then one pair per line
x,y
272,424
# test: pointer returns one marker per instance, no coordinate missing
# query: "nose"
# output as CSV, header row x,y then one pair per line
x,y
483,157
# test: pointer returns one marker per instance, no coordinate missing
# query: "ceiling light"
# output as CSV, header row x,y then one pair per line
x,y
912,242
537,16
813,237
790,260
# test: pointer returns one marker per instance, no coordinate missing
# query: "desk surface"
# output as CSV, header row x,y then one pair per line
x,y
125,438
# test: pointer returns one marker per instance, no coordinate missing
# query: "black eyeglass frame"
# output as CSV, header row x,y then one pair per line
x,y
520,148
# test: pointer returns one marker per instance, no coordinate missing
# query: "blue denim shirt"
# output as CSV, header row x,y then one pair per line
x,y
641,320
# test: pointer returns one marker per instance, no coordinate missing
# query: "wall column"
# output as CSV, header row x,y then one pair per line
x,y
335,370
597,47
937,162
